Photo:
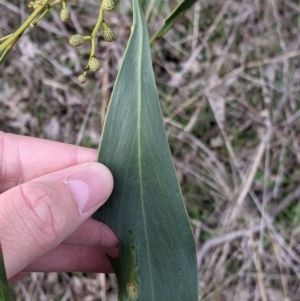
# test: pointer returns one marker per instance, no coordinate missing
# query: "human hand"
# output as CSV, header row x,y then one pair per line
x,y
48,193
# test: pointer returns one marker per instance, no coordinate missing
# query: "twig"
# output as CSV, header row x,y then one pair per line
x,y
236,72
24,26
283,277
287,201
195,24
266,176
178,76
280,173
198,143
233,161
248,179
188,128
256,64
215,241
292,5
43,24
258,267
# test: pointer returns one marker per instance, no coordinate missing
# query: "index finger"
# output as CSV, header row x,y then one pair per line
x,y
25,158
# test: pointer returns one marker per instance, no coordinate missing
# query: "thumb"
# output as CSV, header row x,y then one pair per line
x,y
38,215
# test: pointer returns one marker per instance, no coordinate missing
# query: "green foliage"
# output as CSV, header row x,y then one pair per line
x,y
157,255
176,14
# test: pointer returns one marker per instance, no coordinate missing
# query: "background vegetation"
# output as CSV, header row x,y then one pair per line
x,y
228,76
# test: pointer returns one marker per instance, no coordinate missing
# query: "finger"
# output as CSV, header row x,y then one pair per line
x,y
93,233
25,158
18,277
65,258
38,215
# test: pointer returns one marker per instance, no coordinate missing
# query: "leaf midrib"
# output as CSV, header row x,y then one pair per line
x,y
139,150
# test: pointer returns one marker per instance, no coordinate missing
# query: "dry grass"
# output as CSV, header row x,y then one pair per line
x,y
228,77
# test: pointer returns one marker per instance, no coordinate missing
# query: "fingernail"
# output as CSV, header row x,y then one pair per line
x,y
90,186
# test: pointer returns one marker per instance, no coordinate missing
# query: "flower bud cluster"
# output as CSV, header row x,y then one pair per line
x,y
108,5
65,14
76,40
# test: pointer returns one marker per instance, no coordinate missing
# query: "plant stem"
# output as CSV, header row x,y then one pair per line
x,y
42,15
7,50
94,34
95,31
64,4
104,26
99,21
15,36
5,38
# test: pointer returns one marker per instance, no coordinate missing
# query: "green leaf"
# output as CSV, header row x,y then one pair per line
x,y
157,254
176,14
5,294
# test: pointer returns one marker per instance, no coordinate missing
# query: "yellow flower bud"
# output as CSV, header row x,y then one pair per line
x,y
108,5
108,35
94,64
65,15
76,40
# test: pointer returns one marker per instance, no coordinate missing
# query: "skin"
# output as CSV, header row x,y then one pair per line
x,y
77,242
